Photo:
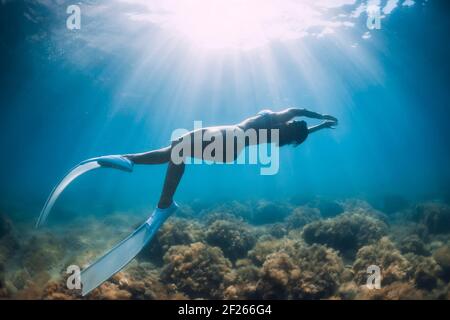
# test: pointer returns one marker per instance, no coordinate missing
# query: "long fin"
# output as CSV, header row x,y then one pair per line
x,y
125,251
115,162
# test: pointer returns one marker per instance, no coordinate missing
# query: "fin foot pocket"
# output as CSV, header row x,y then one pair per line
x,y
113,161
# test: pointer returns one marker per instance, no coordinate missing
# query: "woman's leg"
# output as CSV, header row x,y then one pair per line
x,y
173,174
173,177
159,156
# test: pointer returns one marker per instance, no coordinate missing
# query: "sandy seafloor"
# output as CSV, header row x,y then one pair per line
x,y
304,248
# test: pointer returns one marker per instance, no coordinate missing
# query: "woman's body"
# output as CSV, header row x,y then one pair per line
x,y
290,132
286,132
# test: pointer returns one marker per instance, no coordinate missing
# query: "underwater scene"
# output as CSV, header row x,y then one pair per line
x,y
117,180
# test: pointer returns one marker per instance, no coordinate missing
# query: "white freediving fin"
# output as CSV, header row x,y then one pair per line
x,y
120,255
115,162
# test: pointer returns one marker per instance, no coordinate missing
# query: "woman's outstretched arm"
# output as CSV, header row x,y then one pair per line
x,y
326,124
291,113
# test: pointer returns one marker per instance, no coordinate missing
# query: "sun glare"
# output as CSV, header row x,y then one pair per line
x,y
219,23
239,24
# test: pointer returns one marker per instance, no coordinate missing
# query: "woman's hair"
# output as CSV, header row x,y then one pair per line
x,y
292,132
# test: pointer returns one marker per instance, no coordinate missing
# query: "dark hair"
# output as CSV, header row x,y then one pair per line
x,y
292,132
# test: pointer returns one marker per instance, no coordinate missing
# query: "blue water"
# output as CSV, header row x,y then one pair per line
x,y
70,95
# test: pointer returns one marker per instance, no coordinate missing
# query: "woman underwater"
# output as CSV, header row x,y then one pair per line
x,y
268,126
290,133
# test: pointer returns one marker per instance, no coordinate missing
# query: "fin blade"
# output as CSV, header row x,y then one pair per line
x,y
61,186
125,251
116,259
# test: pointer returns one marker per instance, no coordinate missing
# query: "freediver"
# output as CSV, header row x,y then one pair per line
x,y
288,132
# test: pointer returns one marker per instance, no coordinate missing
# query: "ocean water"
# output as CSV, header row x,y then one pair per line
x,y
376,185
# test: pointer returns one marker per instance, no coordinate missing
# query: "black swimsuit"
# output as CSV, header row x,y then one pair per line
x,y
262,120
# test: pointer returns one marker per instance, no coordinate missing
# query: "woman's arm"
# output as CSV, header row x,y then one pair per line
x,y
289,114
326,124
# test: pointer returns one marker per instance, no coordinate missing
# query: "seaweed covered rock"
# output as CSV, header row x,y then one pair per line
x,y
321,273
346,233
8,241
5,225
266,212
173,232
413,244
57,290
42,252
264,248
186,211
384,254
301,216
228,211
442,257
277,230
443,294
246,276
26,285
235,239
217,255
328,208
19,278
394,291
198,270
140,281
348,290
425,271
2,276
279,275
363,207
110,290
311,273
435,216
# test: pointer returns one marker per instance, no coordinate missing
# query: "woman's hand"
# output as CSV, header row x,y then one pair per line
x,y
326,124
328,117
330,124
